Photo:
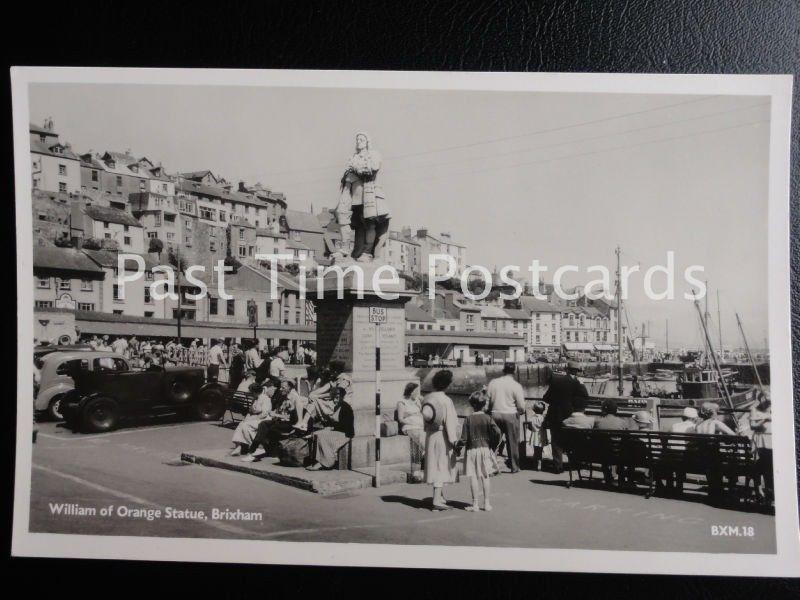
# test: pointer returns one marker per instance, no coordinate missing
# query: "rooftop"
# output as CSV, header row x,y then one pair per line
x,y
110,215
302,221
66,259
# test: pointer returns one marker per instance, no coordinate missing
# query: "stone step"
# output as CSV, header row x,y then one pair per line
x,y
325,483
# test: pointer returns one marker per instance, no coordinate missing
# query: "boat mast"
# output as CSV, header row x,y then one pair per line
x,y
723,387
619,326
666,329
749,355
719,326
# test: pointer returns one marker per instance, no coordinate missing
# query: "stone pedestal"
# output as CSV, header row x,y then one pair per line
x,y
344,333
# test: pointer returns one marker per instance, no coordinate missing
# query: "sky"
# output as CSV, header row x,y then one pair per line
x,y
513,176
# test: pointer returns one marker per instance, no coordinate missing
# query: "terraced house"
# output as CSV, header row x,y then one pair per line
x,y
54,165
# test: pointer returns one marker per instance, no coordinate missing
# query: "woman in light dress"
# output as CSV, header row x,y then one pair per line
x,y
260,410
441,429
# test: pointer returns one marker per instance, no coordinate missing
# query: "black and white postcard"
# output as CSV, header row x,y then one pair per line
x,y
492,321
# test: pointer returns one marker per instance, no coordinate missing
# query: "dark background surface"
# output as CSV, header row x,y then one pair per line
x,y
646,36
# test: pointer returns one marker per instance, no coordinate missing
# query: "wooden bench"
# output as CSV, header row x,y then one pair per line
x,y
237,403
713,456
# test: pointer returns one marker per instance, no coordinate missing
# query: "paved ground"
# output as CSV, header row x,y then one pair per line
x,y
140,469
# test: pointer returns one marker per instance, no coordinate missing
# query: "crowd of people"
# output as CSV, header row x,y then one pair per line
x,y
322,415
495,424
219,354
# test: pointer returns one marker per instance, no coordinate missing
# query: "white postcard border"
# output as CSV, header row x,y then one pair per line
x,y
786,562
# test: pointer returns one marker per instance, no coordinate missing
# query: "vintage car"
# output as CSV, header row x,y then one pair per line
x,y
56,380
111,392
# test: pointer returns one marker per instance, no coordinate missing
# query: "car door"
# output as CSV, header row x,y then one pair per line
x,y
136,391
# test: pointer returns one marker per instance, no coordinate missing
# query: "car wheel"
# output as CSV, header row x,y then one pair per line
x,y
100,414
54,408
210,405
179,392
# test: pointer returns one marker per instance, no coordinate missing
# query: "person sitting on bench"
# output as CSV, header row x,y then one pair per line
x,y
578,419
260,409
338,432
279,425
710,423
322,400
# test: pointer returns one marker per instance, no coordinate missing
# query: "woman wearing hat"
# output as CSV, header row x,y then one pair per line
x,y
441,435
688,422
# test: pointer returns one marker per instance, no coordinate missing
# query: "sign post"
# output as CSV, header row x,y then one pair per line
x,y
377,315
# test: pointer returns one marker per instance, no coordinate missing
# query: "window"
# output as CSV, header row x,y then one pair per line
x,y
116,293
242,252
43,283
230,307
212,246
157,219
94,176
110,364
206,213
126,240
87,285
62,169
148,299
241,234
64,284
269,310
43,304
107,236
148,276
187,241
170,235
105,224
117,312
126,228
62,187
212,306
119,181
149,313
68,366
412,326
85,306
188,225
152,235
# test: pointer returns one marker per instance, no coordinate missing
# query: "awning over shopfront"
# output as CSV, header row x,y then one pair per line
x,y
475,339
89,322
604,348
578,347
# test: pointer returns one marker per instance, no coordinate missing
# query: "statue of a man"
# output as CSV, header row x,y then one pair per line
x,y
362,209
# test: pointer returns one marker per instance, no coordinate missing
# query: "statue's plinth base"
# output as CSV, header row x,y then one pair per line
x,y
345,333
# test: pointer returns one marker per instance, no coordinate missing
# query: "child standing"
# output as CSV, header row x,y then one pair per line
x,y
538,433
480,436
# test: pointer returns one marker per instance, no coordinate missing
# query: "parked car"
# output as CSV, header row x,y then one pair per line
x,y
42,351
56,379
111,392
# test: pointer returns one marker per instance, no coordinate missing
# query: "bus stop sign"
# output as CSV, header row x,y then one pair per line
x,y
377,314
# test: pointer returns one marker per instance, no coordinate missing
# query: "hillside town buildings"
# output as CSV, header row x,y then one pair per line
x,y
87,207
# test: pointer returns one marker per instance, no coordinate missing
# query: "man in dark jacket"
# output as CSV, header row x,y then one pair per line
x,y
559,397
